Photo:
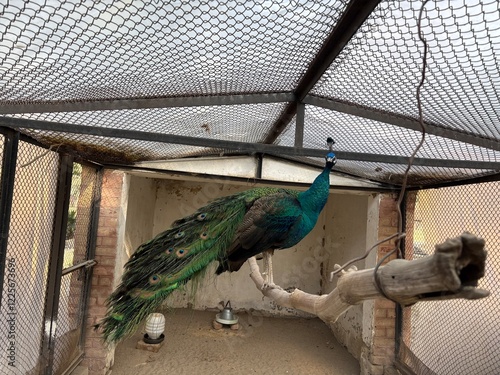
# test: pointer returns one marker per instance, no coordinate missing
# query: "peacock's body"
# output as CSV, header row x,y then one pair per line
x,y
229,230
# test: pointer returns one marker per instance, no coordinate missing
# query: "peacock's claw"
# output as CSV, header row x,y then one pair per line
x,y
268,286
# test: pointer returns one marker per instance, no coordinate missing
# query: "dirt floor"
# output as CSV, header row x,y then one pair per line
x,y
262,345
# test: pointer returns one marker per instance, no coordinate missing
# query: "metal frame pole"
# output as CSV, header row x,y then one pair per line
x,y
56,261
96,205
9,159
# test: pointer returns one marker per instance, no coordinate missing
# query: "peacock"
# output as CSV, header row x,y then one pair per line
x,y
228,230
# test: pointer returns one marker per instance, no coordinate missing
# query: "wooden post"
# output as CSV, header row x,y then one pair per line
x,y
451,272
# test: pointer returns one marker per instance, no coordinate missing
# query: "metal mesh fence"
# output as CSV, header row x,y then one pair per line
x,y
78,56
69,323
241,123
81,205
455,336
28,251
25,313
357,134
2,140
380,67
92,50
68,344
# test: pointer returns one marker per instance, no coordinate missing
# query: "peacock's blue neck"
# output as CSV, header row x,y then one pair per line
x,y
314,199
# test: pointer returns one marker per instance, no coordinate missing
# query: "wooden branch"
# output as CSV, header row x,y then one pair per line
x,y
451,272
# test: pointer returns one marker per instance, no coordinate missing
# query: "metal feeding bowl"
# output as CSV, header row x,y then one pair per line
x,y
226,316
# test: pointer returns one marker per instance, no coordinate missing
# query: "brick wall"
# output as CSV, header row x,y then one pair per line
x,y
98,357
380,355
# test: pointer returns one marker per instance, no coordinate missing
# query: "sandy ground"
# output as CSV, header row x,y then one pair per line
x,y
262,345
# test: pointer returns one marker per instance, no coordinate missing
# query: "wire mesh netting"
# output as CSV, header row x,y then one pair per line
x,y
100,50
28,254
81,205
380,67
68,340
69,323
242,123
2,141
454,336
357,134
24,320
107,52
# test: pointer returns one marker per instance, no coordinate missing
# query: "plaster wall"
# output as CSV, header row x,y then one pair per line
x,y
140,212
350,226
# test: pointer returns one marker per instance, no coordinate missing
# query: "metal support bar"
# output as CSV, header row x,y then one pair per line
x,y
96,205
299,125
493,177
281,123
355,14
87,264
401,121
142,103
351,20
9,159
56,262
260,159
242,147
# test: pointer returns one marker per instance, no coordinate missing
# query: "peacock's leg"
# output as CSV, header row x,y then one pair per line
x,y
268,270
268,267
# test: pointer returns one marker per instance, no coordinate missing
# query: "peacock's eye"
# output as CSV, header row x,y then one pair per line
x,y
201,217
155,279
204,235
170,250
181,252
179,235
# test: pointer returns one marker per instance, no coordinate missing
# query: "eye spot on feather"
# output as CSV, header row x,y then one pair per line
x,y
201,217
116,316
179,235
204,235
181,252
170,250
155,279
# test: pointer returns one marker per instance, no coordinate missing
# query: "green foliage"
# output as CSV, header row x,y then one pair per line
x,y
71,226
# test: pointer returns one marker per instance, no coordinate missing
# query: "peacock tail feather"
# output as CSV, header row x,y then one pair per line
x,y
172,258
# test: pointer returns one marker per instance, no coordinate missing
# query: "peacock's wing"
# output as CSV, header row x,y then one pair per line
x,y
168,261
268,224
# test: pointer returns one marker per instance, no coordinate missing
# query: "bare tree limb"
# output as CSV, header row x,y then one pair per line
x,y
451,272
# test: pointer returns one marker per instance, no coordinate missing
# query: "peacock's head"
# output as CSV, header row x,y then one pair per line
x,y
330,158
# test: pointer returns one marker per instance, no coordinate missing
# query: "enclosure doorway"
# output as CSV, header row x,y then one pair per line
x,y
48,210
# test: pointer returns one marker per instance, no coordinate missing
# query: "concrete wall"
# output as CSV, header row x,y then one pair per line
x,y
140,212
351,227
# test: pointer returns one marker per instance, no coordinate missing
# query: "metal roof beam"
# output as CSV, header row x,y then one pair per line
x,y
356,12
247,148
401,121
142,103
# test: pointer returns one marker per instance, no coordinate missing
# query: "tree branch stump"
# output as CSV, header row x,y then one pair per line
x,y
451,272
